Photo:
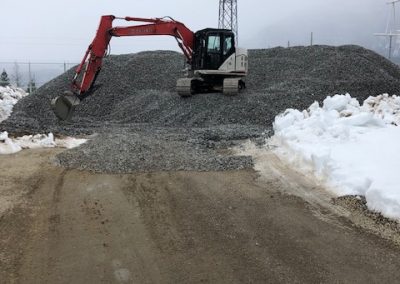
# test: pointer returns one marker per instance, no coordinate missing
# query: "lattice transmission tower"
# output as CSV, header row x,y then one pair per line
x,y
392,31
228,11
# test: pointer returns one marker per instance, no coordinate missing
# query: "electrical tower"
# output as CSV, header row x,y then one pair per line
x,y
391,28
228,16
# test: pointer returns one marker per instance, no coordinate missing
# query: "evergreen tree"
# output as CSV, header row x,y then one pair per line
x,y
4,80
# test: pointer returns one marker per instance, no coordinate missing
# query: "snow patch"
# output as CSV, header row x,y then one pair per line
x,y
69,142
351,149
9,96
14,145
7,146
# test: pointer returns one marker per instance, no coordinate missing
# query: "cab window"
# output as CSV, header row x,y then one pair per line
x,y
214,44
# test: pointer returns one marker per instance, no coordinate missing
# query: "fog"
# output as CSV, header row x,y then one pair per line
x,y
45,30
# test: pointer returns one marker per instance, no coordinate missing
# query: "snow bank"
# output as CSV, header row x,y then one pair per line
x,y
14,145
9,96
352,149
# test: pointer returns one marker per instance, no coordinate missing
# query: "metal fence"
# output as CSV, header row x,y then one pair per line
x,y
28,75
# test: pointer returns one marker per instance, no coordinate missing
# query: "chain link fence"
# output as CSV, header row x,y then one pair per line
x,y
31,75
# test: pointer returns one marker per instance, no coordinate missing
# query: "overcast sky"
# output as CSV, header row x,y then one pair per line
x,y
60,30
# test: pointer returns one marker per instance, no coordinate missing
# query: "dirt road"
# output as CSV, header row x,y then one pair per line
x,y
68,226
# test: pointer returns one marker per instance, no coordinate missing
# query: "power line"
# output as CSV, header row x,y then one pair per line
x,y
44,37
38,63
41,44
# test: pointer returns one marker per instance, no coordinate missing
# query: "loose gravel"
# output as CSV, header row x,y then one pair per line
x,y
365,218
144,126
153,150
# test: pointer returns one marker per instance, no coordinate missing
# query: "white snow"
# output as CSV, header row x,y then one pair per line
x,y
36,141
9,96
14,145
7,146
69,142
351,149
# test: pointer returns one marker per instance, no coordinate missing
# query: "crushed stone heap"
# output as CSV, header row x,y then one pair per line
x,y
139,88
143,125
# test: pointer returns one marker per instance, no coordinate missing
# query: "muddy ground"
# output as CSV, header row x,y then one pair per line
x,y
70,226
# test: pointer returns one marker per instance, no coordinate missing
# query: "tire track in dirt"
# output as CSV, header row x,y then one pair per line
x,y
182,227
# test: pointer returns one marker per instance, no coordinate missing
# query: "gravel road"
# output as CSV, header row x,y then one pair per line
x,y
72,226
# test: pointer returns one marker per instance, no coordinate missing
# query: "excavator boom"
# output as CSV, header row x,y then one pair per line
x,y
91,63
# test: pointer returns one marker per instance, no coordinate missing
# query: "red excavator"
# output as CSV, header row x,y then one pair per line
x,y
216,64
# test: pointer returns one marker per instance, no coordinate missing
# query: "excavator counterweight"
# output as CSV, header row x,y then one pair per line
x,y
215,62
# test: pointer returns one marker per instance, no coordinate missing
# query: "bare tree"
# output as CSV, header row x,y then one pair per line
x,y
17,76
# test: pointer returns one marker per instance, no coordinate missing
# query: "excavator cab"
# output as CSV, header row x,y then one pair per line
x,y
212,48
218,65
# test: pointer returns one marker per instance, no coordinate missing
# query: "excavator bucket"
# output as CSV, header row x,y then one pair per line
x,y
64,105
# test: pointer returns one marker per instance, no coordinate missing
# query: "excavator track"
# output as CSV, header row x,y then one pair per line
x,y
231,86
184,87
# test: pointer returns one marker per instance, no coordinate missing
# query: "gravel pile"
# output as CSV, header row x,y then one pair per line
x,y
136,93
322,70
138,88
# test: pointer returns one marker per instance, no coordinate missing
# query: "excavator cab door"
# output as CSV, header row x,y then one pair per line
x,y
213,52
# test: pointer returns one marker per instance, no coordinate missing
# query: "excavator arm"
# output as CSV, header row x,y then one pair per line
x,y
91,63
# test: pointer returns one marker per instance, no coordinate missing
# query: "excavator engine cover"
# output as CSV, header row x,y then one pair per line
x,y
64,105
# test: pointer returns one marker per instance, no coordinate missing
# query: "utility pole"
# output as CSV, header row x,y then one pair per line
x,y
30,78
312,39
228,16
391,31
17,75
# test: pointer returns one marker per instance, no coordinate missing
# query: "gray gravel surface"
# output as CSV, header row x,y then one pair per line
x,y
135,101
153,150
